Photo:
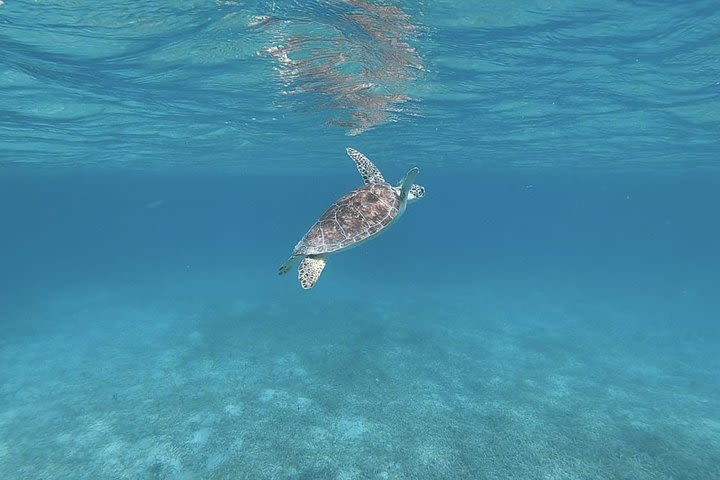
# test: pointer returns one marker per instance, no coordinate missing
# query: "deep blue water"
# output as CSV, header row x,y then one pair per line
x,y
548,311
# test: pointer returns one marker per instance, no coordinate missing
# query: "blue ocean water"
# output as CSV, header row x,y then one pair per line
x,y
549,310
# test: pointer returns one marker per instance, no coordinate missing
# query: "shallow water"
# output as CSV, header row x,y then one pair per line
x,y
548,311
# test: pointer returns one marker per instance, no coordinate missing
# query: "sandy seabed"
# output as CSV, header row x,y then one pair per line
x,y
202,380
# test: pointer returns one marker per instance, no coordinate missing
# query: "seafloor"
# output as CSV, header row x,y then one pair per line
x,y
221,376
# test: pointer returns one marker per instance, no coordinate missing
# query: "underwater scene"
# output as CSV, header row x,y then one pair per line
x,y
533,188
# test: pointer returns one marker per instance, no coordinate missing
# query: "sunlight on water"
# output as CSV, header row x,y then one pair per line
x,y
198,84
358,62
547,311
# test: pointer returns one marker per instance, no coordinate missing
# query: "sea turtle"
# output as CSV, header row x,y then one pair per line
x,y
353,219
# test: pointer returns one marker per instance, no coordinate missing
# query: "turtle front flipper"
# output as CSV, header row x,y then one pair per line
x,y
367,169
309,271
287,265
407,183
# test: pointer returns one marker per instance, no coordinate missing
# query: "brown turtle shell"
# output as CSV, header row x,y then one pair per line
x,y
352,219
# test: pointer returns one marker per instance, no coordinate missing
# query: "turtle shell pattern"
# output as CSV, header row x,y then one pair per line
x,y
353,218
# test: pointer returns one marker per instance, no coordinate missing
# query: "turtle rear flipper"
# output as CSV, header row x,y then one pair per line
x,y
309,271
287,265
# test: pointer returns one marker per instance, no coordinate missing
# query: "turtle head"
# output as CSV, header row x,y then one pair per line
x,y
416,192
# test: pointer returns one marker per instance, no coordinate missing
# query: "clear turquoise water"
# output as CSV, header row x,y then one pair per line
x,y
548,311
